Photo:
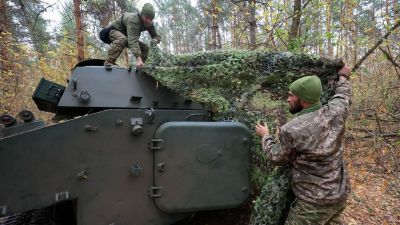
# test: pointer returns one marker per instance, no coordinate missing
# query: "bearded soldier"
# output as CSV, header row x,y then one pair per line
x,y
125,32
312,144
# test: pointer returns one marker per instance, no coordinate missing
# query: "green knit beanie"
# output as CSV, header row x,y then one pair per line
x,y
148,10
307,88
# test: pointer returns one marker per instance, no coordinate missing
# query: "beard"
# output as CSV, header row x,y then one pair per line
x,y
296,107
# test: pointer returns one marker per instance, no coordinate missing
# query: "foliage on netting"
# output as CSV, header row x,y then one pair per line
x,y
272,205
219,78
249,87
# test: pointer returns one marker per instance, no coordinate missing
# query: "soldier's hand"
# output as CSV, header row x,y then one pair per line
x,y
139,63
262,130
345,71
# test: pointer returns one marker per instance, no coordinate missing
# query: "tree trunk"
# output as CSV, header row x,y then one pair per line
x,y
104,13
219,39
286,6
7,91
234,27
214,25
387,14
328,27
4,29
349,7
252,23
79,30
294,28
321,50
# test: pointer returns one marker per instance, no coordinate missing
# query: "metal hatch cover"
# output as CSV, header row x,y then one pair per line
x,y
201,166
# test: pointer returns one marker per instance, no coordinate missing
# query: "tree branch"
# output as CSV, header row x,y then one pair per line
x,y
371,50
390,58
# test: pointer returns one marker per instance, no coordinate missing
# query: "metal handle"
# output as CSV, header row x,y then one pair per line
x,y
197,115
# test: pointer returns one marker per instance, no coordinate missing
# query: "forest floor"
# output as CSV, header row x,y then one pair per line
x,y
374,175
373,199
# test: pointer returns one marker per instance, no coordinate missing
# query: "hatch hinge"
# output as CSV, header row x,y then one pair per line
x,y
154,191
156,144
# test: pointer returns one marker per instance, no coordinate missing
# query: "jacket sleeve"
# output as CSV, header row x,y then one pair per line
x,y
153,33
279,153
342,97
133,33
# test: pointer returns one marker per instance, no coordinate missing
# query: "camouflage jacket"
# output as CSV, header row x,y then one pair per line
x,y
312,144
132,25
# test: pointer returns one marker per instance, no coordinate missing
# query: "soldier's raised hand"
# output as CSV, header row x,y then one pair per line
x,y
345,71
262,130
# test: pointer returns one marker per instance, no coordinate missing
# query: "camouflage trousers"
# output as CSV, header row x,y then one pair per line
x,y
302,213
118,43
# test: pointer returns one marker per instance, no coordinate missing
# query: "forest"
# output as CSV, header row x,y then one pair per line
x,y
365,34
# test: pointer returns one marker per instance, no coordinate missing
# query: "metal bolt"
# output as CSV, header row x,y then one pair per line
x,y
245,189
245,140
26,115
84,97
136,170
161,167
119,122
7,120
83,175
137,130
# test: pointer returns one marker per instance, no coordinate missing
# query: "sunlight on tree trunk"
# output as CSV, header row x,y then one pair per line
x,y
214,25
294,28
79,30
252,23
329,34
5,64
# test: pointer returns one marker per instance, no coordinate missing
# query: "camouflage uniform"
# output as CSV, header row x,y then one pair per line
x,y
126,33
312,144
302,213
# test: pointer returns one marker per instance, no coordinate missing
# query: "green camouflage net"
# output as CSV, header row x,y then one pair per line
x,y
246,86
272,205
219,78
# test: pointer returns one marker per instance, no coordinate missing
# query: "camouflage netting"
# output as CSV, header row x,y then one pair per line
x,y
246,86
218,78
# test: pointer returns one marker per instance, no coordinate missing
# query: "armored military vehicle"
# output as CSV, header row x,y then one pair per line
x,y
126,151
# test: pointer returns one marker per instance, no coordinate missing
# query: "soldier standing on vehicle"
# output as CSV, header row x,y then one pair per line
x,y
125,32
312,144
